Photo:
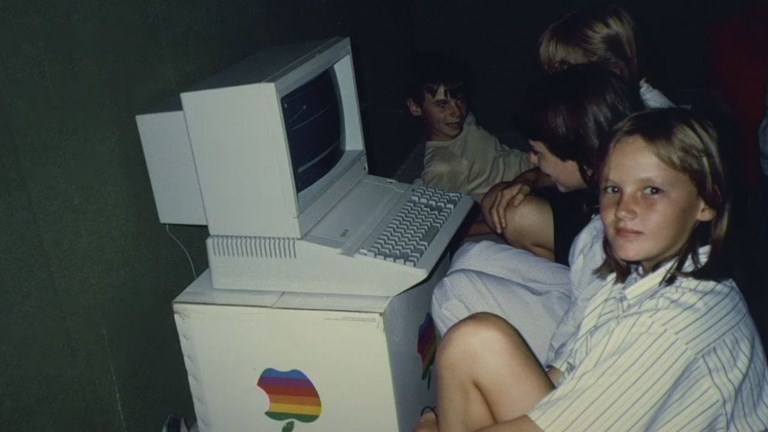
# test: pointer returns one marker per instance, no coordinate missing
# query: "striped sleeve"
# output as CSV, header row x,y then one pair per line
x,y
623,379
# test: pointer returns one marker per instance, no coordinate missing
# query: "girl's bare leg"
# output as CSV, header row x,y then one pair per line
x,y
486,374
530,227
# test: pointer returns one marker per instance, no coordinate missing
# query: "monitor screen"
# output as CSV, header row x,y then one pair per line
x,y
312,125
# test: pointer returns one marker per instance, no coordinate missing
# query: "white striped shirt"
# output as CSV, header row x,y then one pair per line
x,y
682,357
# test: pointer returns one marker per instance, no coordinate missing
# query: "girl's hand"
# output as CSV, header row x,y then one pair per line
x,y
499,197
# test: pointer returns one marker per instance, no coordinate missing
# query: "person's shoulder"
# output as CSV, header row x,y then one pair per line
x,y
594,230
589,239
586,256
473,130
698,312
697,295
470,120
652,97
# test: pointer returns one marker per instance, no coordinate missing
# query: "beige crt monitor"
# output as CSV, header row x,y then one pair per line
x,y
239,138
218,154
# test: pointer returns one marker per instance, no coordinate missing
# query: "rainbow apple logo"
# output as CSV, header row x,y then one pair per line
x,y
292,396
427,347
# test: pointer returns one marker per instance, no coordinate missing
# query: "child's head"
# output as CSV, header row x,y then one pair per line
x,y
437,94
663,194
603,34
568,116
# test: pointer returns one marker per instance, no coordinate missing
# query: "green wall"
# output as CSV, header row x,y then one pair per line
x,y
87,273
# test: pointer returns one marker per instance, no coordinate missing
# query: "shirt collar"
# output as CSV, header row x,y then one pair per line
x,y
639,286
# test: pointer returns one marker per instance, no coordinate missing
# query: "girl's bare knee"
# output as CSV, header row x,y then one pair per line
x,y
529,227
475,334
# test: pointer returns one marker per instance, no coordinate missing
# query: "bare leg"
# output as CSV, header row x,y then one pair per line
x,y
486,374
530,227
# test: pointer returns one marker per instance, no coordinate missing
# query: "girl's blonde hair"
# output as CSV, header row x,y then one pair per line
x,y
603,34
687,143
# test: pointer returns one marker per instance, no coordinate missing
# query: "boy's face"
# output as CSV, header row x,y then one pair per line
x,y
442,115
565,173
649,210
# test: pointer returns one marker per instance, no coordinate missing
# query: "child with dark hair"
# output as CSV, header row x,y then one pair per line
x,y
460,156
566,117
664,338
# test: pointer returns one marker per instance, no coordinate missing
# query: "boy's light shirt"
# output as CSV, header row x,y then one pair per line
x,y
472,162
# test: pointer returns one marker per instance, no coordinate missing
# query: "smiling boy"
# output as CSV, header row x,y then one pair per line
x,y
460,156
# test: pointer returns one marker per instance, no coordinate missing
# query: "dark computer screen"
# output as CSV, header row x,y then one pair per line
x,y
313,125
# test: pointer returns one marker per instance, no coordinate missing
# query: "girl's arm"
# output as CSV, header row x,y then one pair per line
x,y
634,359
428,423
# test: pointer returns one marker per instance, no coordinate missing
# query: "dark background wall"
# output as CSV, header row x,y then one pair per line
x,y
87,273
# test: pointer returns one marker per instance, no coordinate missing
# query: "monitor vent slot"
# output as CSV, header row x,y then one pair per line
x,y
253,247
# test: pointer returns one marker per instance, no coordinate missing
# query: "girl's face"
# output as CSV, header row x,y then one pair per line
x,y
565,173
649,210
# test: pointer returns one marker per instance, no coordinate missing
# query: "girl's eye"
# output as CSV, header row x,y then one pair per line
x,y
650,190
610,189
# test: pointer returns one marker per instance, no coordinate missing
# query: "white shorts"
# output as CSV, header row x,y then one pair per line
x,y
530,292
